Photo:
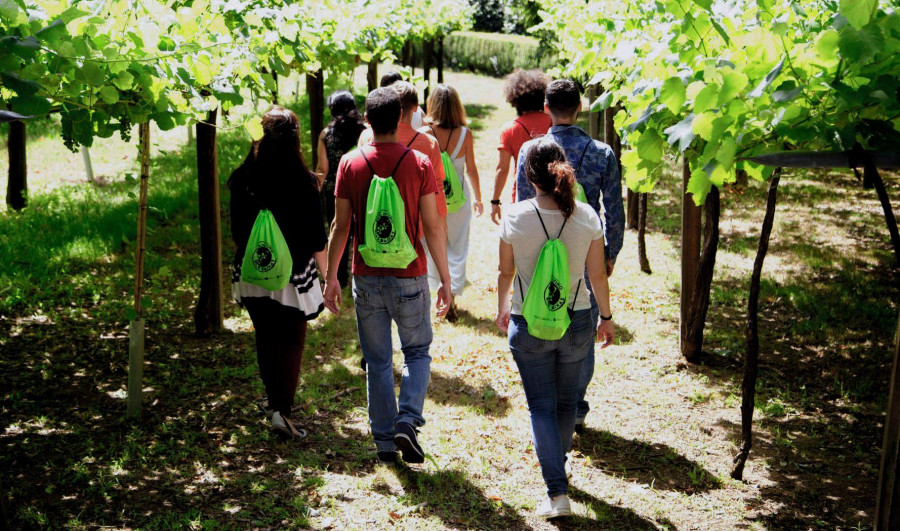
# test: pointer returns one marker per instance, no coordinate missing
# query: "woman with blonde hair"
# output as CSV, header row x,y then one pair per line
x,y
446,122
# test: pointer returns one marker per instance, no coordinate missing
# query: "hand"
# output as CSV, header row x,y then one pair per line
x,y
332,296
444,299
495,214
503,320
609,267
478,207
606,333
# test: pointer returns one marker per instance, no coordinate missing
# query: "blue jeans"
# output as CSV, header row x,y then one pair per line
x,y
550,372
588,372
406,301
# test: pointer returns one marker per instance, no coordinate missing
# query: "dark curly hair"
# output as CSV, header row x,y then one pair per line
x,y
346,122
525,90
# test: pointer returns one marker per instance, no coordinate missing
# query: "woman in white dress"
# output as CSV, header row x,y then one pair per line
x,y
446,122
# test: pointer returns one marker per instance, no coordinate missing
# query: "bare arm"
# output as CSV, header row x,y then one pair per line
x,y
436,238
504,284
500,175
596,266
472,173
340,230
322,163
321,258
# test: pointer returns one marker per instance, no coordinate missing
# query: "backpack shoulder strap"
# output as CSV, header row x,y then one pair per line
x,y
459,143
527,131
413,139
399,161
538,212
449,137
577,289
583,153
369,164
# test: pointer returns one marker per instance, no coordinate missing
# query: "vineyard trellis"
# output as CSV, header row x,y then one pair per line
x,y
721,84
103,67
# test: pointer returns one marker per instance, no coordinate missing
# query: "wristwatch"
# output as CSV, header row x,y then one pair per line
x,y
602,318
495,201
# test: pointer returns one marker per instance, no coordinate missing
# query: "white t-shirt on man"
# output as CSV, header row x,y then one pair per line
x,y
521,228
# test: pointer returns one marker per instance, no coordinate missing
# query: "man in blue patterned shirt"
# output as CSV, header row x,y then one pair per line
x,y
597,170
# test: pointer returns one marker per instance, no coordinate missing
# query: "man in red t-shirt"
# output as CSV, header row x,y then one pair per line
x,y
524,91
383,295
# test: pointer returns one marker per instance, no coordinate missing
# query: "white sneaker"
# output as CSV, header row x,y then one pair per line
x,y
555,507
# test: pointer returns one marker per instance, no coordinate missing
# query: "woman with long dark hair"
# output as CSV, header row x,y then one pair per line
x,y
550,369
274,176
338,137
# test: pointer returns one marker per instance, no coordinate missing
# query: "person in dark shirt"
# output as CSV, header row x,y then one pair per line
x,y
275,177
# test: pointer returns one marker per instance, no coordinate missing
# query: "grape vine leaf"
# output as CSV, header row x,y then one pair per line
x,y
770,77
681,133
858,12
672,94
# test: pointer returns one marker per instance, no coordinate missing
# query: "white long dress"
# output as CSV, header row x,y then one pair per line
x,y
457,229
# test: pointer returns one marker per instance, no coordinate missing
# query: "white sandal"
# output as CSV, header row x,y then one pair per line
x,y
286,427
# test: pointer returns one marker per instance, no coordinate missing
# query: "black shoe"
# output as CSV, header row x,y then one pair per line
x,y
387,457
579,427
406,440
362,364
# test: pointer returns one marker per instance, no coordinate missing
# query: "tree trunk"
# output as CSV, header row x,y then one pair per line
x,y
595,118
4,517
372,75
751,359
440,60
136,329
427,54
692,341
874,177
642,230
190,135
315,89
406,54
17,185
631,208
208,315
690,250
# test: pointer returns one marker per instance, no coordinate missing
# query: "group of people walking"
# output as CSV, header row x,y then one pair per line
x,y
397,189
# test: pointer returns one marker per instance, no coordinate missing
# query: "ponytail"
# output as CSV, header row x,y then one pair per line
x,y
546,168
564,192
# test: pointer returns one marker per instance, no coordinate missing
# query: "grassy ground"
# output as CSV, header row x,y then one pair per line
x,y
660,438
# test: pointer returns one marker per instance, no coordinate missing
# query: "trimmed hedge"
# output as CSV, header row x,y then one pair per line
x,y
495,53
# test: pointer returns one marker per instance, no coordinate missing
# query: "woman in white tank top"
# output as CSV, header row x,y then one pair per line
x,y
446,121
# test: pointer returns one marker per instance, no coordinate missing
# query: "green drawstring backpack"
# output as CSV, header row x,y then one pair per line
x,y
544,306
267,260
453,188
385,242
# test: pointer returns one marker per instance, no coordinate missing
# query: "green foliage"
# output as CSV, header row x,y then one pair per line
x,y
726,80
494,54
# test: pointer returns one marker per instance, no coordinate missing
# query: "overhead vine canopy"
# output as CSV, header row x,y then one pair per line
x,y
105,65
721,80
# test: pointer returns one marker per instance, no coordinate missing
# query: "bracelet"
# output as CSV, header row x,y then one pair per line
x,y
606,318
495,202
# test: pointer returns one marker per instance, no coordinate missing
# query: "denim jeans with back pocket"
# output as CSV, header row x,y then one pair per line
x,y
550,372
379,302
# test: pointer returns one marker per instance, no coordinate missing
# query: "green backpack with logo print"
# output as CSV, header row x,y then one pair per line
x,y
385,242
267,260
544,306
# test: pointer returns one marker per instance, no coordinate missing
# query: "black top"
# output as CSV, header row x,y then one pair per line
x,y
297,210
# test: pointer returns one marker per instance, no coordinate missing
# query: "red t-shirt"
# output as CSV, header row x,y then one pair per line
x,y
414,178
522,129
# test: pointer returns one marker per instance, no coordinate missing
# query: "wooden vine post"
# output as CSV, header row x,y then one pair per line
x,y
595,119
136,330
88,167
751,358
887,507
692,338
17,185
440,59
406,54
208,315
372,75
642,233
690,251
427,54
315,89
